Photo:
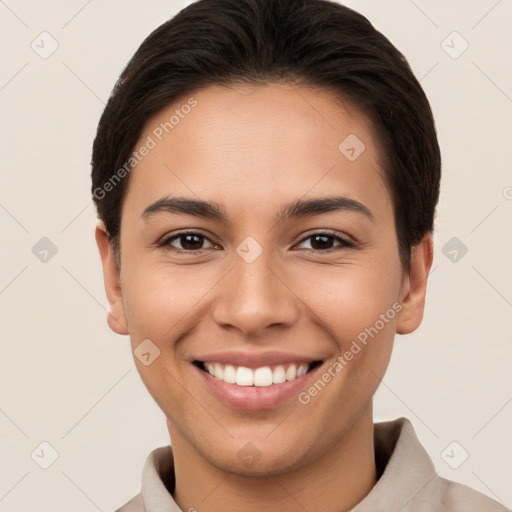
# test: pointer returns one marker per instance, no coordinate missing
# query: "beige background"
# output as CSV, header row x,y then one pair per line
x,y
66,379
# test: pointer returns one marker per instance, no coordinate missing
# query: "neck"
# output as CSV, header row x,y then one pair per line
x,y
334,482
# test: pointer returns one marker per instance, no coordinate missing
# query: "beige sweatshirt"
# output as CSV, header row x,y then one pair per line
x,y
409,482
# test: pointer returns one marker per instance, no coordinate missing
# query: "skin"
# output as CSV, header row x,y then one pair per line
x,y
251,149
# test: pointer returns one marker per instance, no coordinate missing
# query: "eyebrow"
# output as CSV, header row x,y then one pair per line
x,y
296,209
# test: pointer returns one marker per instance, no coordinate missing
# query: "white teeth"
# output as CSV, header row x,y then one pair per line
x,y
219,371
262,377
244,376
229,374
291,373
303,368
279,375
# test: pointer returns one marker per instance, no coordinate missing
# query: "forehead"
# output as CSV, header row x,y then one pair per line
x,y
252,145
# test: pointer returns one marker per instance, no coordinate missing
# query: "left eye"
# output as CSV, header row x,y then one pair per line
x,y
324,241
192,241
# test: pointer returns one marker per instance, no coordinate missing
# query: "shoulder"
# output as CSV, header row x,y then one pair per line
x,y
457,497
136,504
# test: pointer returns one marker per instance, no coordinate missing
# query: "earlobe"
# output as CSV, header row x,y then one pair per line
x,y
116,318
415,286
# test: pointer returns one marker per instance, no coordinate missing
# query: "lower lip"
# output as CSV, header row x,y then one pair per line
x,y
254,398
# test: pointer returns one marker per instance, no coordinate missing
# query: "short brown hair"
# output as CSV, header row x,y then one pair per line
x,y
319,43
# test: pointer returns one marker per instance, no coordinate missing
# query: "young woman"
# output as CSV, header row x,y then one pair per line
x,y
266,174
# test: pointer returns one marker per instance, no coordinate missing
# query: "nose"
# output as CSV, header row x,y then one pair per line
x,y
255,296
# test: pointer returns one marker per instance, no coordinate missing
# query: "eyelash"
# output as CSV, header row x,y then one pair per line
x,y
166,242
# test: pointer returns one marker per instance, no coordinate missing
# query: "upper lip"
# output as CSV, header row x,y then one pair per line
x,y
255,360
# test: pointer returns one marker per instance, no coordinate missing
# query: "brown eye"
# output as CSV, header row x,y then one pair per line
x,y
185,242
325,241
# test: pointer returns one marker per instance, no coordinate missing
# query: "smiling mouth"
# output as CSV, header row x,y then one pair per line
x,y
263,376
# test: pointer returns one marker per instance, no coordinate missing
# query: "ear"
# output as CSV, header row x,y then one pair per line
x,y
414,286
116,318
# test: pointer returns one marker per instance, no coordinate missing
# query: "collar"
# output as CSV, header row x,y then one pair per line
x,y
407,476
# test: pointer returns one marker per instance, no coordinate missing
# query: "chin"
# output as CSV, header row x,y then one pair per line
x,y
251,461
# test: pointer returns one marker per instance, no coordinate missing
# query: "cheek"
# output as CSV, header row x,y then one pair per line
x,y
157,298
351,300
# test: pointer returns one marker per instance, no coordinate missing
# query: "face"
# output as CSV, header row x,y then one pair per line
x,y
233,263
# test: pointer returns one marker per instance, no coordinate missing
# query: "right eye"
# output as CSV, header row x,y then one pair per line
x,y
190,241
